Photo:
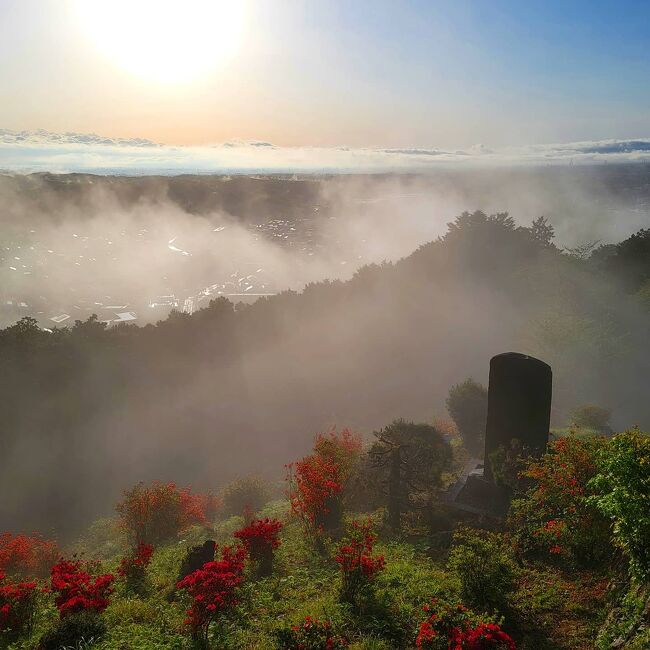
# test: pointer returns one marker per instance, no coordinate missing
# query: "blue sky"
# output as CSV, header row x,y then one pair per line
x,y
359,74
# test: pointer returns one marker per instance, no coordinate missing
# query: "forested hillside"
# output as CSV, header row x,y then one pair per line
x,y
88,410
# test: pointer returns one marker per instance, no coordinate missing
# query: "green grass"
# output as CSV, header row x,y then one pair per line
x,y
549,610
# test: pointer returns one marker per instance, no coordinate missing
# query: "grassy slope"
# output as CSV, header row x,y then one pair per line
x,y
549,610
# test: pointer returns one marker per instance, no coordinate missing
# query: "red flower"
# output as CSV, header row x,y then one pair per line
x,y
133,567
17,604
26,555
454,627
161,511
317,480
355,558
77,590
312,634
213,589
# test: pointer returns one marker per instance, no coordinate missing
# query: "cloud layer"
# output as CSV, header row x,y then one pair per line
x,y
32,151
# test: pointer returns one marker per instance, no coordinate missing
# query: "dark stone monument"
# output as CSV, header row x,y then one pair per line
x,y
519,404
196,557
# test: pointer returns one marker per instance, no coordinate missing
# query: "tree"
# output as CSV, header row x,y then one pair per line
x,y
590,416
467,406
542,232
412,458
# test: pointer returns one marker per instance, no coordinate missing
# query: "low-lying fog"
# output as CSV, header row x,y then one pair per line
x,y
231,391
132,249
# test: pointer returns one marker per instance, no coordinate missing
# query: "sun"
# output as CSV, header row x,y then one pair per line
x,y
165,41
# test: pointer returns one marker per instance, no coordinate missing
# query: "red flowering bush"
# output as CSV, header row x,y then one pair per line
x,y
556,515
77,590
483,637
161,511
213,590
311,634
317,481
357,563
454,627
17,605
25,555
133,567
261,538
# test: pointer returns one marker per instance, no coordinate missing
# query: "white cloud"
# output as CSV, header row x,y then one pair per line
x,y
26,151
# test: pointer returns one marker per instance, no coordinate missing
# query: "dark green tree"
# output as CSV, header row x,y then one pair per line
x,y
467,406
410,459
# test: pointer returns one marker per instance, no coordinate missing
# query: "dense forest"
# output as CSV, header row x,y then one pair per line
x,y
88,410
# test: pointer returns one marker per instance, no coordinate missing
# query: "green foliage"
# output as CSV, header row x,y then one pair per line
x,y
247,494
626,625
410,459
467,406
643,295
311,634
622,488
73,630
507,465
486,568
593,417
556,516
104,539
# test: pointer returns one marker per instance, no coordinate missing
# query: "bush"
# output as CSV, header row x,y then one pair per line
x,y
84,626
160,512
485,565
590,416
467,406
454,627
411,458
243,496
556,516
317,481
622,486
133,567
357,563
507,465
17,607
213,590
26,556
261,538
77,590
311,634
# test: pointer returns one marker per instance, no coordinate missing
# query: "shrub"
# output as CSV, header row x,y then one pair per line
x,y
77,590
556,516
161,511
213,590
356,561
485,566
317,481
17,607
260,537
27,556
311,634
467,406
590,416
622,486
411,459
248,494
70,631
133,567
454,627
507,465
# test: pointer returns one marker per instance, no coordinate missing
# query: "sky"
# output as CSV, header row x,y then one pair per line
x,y
436,75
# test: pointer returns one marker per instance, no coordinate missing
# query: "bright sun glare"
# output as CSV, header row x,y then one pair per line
x,y
167,41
